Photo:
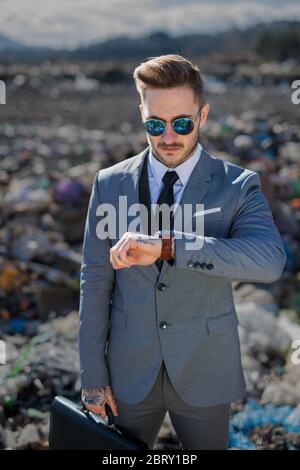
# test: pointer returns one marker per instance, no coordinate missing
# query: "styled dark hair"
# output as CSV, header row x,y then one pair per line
x,y
167,71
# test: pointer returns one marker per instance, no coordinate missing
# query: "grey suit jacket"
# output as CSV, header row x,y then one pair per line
x,y
132,319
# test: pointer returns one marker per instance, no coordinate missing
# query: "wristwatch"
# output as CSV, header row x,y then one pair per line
x,y
168,246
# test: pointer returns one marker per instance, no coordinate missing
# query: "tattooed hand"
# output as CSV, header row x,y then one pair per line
x,y
95,399
134,248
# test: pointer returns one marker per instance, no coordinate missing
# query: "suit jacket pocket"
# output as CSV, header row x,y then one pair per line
x,y
213,217
221,324
118,317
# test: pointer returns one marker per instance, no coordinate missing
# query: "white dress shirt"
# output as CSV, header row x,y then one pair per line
x,y
156,171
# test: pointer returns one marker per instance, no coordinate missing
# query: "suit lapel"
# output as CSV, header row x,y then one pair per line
x,y
196,188
130,183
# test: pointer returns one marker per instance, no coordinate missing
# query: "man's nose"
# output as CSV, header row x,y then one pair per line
x,y
169,135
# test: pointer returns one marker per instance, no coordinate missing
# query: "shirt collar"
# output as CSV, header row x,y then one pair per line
x,y
183,170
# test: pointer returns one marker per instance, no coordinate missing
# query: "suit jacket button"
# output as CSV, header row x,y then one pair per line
x,y
190,263
210,266
161,286
202,265
197,264
163,325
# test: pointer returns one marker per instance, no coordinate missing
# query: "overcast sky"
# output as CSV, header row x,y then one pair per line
x,y
68,23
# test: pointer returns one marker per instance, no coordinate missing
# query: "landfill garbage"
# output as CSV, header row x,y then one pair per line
x,y
68,191
248,427
45,366
237,440
269,337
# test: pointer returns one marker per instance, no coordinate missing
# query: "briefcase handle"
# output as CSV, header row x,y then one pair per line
x,y
110,416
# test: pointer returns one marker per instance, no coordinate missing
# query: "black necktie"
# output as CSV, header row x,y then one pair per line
x,y
167,197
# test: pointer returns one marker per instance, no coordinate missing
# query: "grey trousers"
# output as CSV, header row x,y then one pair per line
x,y
197,428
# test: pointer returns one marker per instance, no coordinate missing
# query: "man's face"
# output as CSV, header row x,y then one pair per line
x,y
167,104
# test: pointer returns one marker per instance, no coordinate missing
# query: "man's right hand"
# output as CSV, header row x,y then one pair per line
x,y
95,399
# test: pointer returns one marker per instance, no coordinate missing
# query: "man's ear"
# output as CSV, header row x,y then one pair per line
x,y
141,110
204,113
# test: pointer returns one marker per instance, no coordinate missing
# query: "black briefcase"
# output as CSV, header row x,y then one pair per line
x,y
73,427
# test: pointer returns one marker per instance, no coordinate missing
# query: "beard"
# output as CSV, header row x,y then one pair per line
x,y
177,157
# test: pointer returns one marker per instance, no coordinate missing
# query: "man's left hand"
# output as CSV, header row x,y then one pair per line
x,y
135,249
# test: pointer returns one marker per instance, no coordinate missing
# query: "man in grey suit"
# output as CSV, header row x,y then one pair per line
x,y
158,326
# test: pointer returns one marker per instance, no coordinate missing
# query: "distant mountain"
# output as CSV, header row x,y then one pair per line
x,y
11,50
276,40
280,35
7,44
